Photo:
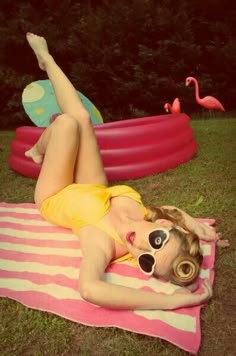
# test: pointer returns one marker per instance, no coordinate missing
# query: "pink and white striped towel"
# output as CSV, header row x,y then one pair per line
x,y
39,267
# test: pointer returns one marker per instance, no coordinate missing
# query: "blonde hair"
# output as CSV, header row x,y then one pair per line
x,y
186,267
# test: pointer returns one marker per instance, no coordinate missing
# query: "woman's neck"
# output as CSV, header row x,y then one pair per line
x,y
123,221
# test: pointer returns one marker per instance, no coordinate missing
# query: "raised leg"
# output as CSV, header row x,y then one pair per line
x,y
59,156
88,166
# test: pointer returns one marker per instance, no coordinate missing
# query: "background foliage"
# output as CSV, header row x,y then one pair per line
x,y
128,57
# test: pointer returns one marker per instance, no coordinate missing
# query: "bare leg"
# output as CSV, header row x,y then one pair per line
x,y
88,167
38,151
57,170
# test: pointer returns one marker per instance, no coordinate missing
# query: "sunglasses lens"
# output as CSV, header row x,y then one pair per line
x,y
156,238
146,262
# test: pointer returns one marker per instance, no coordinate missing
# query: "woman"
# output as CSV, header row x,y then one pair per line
x,y
111,222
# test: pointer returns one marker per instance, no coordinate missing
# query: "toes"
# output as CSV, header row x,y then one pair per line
x,y
27,154
38,159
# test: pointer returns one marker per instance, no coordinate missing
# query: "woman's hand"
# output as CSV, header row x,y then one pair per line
x,y
222,243
205,294
204,231
185,297
207,233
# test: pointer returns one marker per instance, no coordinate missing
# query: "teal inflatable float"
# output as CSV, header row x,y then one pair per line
x,y
40,103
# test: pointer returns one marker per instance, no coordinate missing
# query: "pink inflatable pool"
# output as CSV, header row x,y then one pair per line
x,y
130,148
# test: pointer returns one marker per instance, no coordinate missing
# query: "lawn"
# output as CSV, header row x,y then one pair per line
x,y
205,187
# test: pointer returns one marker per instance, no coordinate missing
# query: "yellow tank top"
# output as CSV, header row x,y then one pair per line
x,y
79,205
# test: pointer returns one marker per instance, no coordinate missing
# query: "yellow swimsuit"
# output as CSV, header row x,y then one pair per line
x,y
80,205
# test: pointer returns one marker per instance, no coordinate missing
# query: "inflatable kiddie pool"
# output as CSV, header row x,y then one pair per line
x,y
130,148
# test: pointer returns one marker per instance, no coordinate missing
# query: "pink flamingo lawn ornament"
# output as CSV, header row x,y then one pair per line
x,y
174,108
208,102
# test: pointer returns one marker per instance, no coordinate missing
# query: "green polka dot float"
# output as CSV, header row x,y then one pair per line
x,y
40,103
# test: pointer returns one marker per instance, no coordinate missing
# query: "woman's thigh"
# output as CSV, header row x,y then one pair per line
x,y
57,170
89,166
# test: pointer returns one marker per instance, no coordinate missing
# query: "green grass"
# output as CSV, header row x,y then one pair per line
x,y
205,187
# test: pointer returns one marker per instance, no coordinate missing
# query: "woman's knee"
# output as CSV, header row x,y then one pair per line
x,y
66,123
82,116
85,123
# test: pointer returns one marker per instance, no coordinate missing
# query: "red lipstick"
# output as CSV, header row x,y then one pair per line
x,y
130,237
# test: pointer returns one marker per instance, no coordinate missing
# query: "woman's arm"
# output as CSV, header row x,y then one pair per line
x,y
93,289
189,222
203,231
119,297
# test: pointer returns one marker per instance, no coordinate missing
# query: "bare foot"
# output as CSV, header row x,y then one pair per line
x,y
34,154
40,48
